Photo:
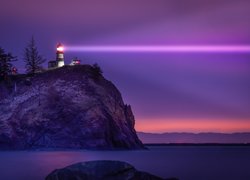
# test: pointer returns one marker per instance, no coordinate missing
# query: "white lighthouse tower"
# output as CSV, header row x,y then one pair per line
x,y
60,55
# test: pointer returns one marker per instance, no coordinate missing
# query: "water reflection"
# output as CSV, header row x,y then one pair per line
x,y
182,162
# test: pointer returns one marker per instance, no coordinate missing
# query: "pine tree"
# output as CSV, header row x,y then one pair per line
x,y
97,71
33,60
5,64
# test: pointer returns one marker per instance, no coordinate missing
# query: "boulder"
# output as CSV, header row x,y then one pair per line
x,y
100,170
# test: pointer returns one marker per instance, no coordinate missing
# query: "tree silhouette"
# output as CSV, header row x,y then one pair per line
x,y
97,71
5,64
33,60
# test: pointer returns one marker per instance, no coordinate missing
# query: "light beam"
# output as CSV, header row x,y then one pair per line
x,y
163,49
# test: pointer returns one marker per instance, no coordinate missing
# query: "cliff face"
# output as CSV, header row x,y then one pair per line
x,y
69,107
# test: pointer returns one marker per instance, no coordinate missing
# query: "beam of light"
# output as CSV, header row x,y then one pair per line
x,y
164,49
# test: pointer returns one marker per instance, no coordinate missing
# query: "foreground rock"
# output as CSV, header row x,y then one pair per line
x,y
97,170
69,107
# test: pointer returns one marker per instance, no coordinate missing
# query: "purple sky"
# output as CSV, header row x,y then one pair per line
x,y
163,88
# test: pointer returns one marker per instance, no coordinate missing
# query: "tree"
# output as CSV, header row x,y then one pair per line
x,y
97,71
5,64
33,60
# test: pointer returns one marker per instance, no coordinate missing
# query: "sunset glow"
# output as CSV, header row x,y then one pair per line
x,y
162,48
194,126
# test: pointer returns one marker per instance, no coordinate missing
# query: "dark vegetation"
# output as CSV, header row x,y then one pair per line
x,y
6,66
97,71
33,60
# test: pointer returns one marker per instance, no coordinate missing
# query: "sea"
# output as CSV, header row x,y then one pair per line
x,y
183,162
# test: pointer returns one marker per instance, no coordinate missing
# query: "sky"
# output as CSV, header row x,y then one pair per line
x,y
168,92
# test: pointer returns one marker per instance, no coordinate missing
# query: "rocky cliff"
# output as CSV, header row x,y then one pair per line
x,y
68,107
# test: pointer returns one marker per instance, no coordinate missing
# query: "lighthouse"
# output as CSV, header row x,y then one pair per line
x,y
59,62
60,55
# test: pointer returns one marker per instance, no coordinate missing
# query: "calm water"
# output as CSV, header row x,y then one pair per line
x,y
186,163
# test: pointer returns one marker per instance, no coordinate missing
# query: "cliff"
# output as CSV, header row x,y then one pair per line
x,y
68,107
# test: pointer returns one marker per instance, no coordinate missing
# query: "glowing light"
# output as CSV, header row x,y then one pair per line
x,y
60,48
164,49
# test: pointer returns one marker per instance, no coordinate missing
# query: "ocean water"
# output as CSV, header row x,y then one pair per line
x,y
183,162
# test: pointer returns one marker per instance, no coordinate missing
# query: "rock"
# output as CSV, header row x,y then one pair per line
x,y
97,170
68,107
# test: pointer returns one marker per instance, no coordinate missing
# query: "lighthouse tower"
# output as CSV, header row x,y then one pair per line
x,y
59,55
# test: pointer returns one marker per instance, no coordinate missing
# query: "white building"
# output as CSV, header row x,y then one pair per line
x,y
59,62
